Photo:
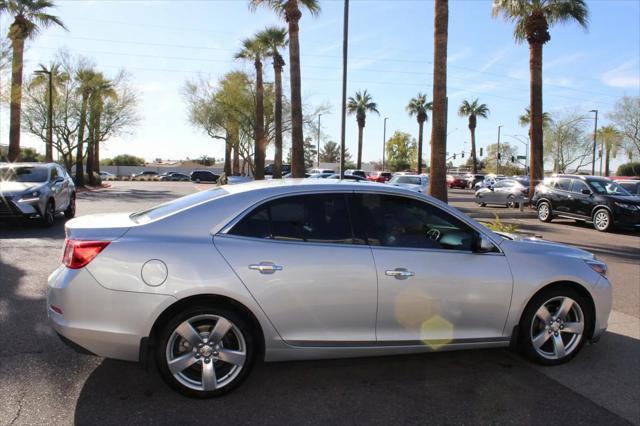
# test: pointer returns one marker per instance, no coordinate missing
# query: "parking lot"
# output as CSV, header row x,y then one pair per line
x,y
44,382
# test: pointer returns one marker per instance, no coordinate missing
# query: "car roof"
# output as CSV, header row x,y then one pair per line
x,y
301,185
29,164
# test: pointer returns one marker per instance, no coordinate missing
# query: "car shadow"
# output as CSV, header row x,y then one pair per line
x,y
126,194
488,386
31,228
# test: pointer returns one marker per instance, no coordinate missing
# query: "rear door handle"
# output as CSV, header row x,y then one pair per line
x,y
266,267
400,273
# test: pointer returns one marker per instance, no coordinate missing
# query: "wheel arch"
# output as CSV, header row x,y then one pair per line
x,y
545,200
599,207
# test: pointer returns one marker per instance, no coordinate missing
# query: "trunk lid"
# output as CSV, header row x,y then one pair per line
x,y
99,227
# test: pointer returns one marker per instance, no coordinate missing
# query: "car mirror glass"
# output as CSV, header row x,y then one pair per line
x,y
586,192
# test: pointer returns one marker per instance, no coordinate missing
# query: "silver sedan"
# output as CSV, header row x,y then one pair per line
x,y
507,192
309,269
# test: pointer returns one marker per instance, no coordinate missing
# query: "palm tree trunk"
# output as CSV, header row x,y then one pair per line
x,y
227,154
90,141
96,139
420,130
260,146
437,179
474,166
277,159
79,153
360,131
236,154
535,130
16,97
606,160
293,15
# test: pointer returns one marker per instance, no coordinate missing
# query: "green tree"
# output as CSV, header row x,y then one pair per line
x,y
626,116
473,110
274,39
102,89
123,160
401,151
330,153
419,107
568,143
611,139
525,119
438,167
310,153
532,19
30,155
53,78
629,169
360,105
254,50
29,16
290,11
86,78
507,151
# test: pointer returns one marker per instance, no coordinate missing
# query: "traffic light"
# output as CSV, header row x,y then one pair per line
x,y
481,152
499,156
462,154
454,156
513,159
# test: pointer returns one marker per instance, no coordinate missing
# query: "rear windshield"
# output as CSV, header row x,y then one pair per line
x,y
171,207
414,180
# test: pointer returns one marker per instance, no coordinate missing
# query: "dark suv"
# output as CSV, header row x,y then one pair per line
x,y
598,200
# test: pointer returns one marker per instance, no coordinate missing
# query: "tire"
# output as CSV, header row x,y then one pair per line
x,y
602,220
511,202
237,343
539,339
544,211
48,217
70,212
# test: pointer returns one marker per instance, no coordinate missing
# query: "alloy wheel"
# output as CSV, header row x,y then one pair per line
x,y
601,220
543,211
557,328
206,352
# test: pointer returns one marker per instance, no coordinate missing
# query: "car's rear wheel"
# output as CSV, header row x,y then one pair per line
x,y
511,202
70,212
47,218
544,212
554,326
205,352
602,220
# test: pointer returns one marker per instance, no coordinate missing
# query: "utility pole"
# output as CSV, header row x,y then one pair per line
x,y
498,154
49,147
345,44
384,141
319,115
595,131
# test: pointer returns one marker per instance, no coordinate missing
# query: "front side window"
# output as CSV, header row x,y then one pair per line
x,y
563,184
394,221
318,218
578,185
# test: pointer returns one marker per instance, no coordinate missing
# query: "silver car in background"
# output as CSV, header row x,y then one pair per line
x,y
35,190
309,269
419,183
506,192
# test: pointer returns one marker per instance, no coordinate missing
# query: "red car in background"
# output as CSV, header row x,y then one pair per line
x,y
457,182
381,177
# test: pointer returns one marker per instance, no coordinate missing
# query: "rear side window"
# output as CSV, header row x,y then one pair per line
x,y
563,183
578,186
321,218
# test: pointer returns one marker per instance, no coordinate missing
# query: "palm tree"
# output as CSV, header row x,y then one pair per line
x,y
532,19
275,38
525,119
438,171
473,110
101,89
290,11
360,106
612,140
253,50
54,79
419,106
85,78
28,17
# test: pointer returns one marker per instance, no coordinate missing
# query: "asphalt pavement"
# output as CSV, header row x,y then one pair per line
x,y
44,382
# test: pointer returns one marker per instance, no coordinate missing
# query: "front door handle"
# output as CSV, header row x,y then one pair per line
x,y
400,273
266,267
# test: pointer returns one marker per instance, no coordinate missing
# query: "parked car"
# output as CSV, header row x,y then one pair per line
x,y
203,176
449,180
146,175
320,175
320,171
174,177
633,186
473,179
36,190
354,172
457,182
379,176
419,183
488,182
105,176
290,175
346,176
268,169
598,200
504,192
314,269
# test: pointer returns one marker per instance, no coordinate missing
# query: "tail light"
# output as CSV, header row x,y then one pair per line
x,y
78,254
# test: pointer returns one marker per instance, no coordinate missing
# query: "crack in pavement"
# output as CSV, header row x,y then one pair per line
x,y
20,404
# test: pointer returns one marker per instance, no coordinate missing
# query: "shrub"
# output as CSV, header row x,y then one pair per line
x,y
629,169
498,226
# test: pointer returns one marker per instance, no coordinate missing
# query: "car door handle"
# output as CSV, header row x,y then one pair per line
x,y
266,267
399,273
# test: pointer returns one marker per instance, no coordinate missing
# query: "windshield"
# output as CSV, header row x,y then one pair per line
x,y
174,206
608,187
413,180
24,174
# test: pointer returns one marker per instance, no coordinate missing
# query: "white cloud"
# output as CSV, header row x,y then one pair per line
x,y
626,76
495,59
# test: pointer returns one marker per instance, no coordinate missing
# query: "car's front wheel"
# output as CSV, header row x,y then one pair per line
x,y
70,212
602,220
544,211
205,352
47,218
554,326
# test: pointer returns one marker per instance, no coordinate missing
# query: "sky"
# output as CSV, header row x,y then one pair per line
x,y
165,43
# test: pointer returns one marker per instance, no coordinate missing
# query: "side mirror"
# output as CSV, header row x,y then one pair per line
x,y
484,245
58,179
586,192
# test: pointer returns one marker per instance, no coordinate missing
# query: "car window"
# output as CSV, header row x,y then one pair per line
x,y
563,183
174,206
394,221
499,184
608,187
577,186
24,174
318,218
53,173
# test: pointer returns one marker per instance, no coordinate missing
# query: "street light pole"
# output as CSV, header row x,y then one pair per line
x,y
345,44
384,141
49,147
319,115
498,154
595,131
